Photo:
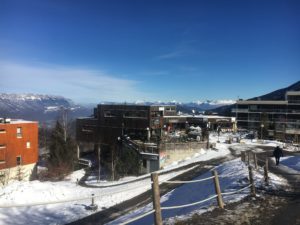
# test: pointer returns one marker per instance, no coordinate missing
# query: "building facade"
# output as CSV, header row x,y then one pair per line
x,y
138,127
18,149
271,119
145,129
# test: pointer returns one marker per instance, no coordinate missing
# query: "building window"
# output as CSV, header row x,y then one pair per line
x,y
144,163
19,132
28,144
2,131
19,160
2,153
110,113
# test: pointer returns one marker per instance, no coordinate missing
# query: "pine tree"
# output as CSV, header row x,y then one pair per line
x,y
61,156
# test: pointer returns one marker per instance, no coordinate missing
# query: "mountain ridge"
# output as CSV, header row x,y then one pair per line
x,y
49,107
38,107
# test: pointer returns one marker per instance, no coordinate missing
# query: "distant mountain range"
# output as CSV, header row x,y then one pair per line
x,y
197,106
50,108
39,107
272,96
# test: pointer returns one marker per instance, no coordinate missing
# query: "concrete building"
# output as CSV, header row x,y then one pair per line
x,y
149,130
271,119
138,127
18,149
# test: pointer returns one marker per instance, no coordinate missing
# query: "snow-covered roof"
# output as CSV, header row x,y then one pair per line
x,y
17,121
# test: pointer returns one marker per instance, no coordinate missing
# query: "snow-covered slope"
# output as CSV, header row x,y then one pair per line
x,y
38,107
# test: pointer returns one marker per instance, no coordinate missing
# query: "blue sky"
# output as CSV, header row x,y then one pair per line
x,y
127,50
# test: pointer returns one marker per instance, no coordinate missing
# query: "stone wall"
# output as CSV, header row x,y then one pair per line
x,y
174,152
24,172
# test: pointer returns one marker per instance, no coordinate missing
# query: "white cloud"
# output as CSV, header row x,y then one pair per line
x,y
81,85
172,55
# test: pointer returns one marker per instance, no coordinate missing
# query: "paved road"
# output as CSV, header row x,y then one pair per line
x,y
289,212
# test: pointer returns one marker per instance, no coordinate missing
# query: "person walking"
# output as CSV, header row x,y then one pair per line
x,y
277,153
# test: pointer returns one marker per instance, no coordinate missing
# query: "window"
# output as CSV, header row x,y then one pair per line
x,y
135,114
19,160
28,144
2,154
144,163
110,113
2,131
19,132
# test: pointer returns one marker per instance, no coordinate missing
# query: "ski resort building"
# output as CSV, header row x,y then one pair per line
x,y
271,119
116,127
155,132
18,149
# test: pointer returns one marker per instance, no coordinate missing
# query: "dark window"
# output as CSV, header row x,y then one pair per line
x,y
2,131
19,160
135,114
144,163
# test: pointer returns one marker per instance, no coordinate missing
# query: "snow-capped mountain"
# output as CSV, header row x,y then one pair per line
x,y
38,107
49,107
199,105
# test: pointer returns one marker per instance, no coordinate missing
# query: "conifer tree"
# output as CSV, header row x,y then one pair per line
x,y
61,156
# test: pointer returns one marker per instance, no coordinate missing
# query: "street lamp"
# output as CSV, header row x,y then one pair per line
x,y
218,130
148,134
207,127
261,130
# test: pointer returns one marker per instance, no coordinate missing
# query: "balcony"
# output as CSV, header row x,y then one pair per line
x,y
239,110
292,131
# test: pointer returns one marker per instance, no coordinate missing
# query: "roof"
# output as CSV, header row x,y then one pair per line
x,y
258,102
198,116
16,121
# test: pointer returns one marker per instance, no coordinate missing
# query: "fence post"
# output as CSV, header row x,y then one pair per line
x,y
255,160
218,189
243,156
248,153
251,181
156,199
266,168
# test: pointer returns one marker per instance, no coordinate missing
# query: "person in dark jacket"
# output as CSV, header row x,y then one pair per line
x,y
277,153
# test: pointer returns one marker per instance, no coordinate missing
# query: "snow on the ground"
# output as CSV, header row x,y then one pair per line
x,y
291,163
20,192
34,192
233,176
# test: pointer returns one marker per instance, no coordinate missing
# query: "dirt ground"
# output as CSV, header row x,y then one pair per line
x,y
265,209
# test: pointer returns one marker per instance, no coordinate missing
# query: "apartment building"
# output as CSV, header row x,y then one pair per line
x,y
18,149
271,119
110,124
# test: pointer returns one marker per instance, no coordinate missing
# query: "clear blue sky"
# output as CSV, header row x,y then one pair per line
x,y
129,50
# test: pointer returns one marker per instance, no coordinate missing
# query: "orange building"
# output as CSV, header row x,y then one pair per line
x,y
18,149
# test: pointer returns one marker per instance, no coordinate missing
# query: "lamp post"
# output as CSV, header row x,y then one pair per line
x,y
218,130
148,134
261,130
99,166
207,127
